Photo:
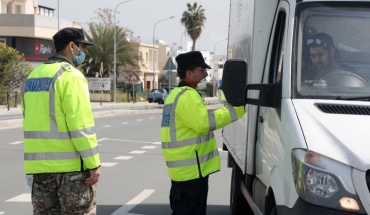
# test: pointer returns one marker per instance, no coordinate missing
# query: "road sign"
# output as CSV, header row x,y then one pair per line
x,y
134,78
99,83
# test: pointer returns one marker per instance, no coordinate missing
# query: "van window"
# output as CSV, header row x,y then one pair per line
x,y
332,50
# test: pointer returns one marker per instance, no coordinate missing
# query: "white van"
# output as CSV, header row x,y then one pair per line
x,y
303,146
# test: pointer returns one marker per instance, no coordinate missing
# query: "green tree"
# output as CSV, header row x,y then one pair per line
x,y
13,70
101,56
192,18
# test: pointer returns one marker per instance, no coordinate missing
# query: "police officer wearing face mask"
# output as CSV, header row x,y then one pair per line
x,y
188,143
60,145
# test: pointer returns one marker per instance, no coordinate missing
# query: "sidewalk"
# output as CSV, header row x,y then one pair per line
x,y
99,110
110,105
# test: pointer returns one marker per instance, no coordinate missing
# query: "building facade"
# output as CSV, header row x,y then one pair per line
x,y
29,27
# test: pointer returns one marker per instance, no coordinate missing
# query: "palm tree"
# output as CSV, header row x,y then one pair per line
x,y
100,56
192,18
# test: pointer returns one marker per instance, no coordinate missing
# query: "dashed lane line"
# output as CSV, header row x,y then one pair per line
x,y
124,123
2,213
25,197
16,142
133,202
139,120
108,164
123,157
107,126
133,141
149,147
157,143
137,152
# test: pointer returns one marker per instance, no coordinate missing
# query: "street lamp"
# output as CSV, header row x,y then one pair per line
x,y
115,50
214,66
153,46
185,32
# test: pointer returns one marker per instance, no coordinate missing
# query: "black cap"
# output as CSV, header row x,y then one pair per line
x,y
320,39
191,59
67,35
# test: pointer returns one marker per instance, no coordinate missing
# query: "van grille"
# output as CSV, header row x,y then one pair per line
x,y
344,109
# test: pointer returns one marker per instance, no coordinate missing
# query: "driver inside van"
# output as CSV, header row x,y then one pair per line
x,y
323,58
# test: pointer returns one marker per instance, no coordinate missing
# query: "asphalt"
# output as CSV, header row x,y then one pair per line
x,y
99,110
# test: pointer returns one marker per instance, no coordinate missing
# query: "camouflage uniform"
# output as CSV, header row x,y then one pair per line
x,y
63,194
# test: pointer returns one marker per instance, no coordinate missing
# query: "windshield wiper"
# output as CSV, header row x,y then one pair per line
x,y
357,98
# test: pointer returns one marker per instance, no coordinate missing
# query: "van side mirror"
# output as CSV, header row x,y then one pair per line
x,y
234,82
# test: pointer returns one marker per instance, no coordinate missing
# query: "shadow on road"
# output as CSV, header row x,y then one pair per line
x,y
158,209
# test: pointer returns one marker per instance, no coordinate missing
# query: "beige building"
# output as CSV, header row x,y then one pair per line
x,y
29,27
146,65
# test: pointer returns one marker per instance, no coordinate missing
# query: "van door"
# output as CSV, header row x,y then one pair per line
x,y
269,144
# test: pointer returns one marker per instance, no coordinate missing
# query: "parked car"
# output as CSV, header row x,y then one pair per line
x,y
157,95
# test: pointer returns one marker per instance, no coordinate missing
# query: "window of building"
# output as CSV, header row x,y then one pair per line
x,y
9,8
42,11
18,9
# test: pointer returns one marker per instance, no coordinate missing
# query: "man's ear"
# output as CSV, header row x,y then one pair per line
x,y
189,73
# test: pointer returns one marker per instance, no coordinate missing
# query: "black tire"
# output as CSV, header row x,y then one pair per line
x,y
238,203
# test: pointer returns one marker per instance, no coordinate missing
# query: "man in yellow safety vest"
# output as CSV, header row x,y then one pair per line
x,y
188,143
60,145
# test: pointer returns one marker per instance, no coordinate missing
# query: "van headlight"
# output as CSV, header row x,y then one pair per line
x,y
322,181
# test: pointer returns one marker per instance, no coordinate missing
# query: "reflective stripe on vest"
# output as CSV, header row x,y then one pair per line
x,y
191,141
60,155
54,133
232,112
194,161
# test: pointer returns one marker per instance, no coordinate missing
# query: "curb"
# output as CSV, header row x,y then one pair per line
x,y
100,111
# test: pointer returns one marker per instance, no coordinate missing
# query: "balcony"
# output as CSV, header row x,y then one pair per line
x,y
33,26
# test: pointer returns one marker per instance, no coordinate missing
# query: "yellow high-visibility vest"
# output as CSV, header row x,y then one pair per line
x,y
58,123
188,143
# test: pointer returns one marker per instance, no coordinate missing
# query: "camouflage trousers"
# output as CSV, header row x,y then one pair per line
x,y
63,194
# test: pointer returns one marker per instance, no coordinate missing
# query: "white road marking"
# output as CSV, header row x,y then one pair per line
x,y
107,126
137,152
221,150
133,202
102,139
157,143
16,143
134,141
25,197
152,117
149,147
2,213
139,120
108,164
124,123
123,157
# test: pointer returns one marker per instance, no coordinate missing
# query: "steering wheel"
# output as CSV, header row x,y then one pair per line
x,y
342,78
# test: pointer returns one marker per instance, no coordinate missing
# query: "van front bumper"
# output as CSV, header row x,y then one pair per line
x,y
303,208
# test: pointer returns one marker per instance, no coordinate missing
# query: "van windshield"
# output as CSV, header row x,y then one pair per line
x,y
333,51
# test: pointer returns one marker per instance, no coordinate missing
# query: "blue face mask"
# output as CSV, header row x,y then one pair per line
x,y
78,59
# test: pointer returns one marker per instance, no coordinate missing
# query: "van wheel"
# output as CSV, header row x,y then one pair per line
x,y
238,204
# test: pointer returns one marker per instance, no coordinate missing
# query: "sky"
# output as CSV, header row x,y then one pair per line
x,y
140,16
